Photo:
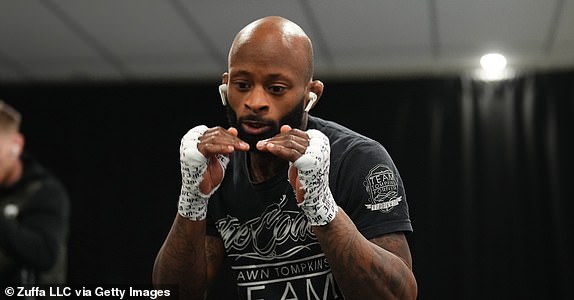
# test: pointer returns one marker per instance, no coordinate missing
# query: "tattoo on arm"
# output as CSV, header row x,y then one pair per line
x,y
395,243
181,259
214,253
379,268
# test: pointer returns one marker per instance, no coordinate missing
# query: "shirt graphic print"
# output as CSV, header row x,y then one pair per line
x,y
276,255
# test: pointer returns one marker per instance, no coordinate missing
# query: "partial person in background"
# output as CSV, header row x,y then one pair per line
x,y
34,212
295,206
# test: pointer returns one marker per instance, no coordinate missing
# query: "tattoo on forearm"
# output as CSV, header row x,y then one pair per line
x,y
362,267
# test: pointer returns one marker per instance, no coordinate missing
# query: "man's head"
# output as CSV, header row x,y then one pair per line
x,y
269,78
11,144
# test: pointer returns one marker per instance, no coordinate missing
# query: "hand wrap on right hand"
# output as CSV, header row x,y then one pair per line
x,y
313,174
192,202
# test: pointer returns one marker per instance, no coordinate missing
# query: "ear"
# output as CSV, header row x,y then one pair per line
x,y
15,150
316,90
17,144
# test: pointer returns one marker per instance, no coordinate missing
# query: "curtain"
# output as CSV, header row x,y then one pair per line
x,y
494,217
487,168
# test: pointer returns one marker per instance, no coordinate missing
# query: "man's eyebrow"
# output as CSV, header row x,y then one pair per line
x,y
277,76
240,73
272,76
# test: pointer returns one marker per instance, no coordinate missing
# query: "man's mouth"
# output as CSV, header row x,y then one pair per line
x,y
254,127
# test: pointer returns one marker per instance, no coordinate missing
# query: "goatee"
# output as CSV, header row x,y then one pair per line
x,y
294,118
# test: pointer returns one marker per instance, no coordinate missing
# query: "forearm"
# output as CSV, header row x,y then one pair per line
x,y
181,260
362,269
35,248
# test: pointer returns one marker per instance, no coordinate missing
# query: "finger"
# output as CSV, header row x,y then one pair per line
x,y
293,137
243,146
291,142
290,153
289,145
295,132
220,141
285,128
233,131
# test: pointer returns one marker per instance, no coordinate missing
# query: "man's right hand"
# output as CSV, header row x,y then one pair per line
x,y
204,157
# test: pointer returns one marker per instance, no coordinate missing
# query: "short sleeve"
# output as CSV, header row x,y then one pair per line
x,y
369,188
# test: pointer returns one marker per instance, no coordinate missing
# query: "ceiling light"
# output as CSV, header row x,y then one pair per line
x,y
493,68
493,62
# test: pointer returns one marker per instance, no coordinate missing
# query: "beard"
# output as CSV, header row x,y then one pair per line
x,y
294,118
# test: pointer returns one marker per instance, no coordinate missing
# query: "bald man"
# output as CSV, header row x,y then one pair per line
x,y
290,205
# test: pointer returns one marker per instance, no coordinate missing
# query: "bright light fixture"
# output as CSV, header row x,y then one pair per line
x,y
493,68
493,62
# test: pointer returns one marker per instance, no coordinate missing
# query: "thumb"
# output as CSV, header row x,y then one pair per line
x,y
213,176
296,184
285,128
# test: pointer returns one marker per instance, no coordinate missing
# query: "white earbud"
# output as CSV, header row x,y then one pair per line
x,y
223,93
312,100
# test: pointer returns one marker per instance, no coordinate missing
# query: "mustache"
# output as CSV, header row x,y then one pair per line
x,y
255,119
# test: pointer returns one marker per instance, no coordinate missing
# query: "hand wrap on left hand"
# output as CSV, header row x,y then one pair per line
x,y
192,202
313,174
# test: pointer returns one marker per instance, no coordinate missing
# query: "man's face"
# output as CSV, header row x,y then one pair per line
x,y
267,83
7,156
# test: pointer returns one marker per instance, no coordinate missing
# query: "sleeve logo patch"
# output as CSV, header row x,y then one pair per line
x,y
382,186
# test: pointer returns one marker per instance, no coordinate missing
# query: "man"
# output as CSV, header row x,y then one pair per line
x,y
33,212
298,207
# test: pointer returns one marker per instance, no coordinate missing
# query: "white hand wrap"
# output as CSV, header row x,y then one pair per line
x,y
313,173
192,202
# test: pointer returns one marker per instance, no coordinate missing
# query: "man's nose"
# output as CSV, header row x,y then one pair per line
x,y
257,101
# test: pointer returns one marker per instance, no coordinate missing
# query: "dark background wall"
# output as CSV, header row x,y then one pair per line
x,y
487,168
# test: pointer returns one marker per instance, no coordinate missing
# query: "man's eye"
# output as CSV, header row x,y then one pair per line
x,y
242,85
277,89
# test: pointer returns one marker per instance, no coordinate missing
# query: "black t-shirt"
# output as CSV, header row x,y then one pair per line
x,y
270,247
